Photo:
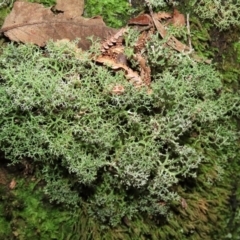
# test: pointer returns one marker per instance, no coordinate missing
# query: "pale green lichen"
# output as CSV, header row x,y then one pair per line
x,y
223,14
133,148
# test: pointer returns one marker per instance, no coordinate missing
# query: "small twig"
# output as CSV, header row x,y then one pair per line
x,y
189,34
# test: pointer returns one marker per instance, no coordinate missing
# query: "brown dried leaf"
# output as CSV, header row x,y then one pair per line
x,y
178,19
33,23
110,62
113,39
162,15
117,49
73,8
12,184
143,19
131,75
145,70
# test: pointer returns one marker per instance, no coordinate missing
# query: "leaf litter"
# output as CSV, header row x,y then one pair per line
x,y
33,23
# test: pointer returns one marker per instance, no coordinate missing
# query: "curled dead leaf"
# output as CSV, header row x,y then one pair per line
x,y
113,39
145,70
117,89
12,184
109,62
132,76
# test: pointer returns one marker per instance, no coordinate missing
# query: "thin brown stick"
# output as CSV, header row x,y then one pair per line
x,y
189,34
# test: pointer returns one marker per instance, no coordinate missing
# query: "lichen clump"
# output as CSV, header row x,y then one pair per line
x,y
122,154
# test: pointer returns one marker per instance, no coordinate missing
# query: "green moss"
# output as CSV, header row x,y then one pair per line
x,y
24,215
3,13
236,47
5,228
46,3
230,64
114,13
223,14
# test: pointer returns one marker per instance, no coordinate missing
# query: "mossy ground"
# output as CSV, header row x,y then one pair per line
x,y
26,215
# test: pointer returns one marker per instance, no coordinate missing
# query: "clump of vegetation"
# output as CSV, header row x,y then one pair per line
x,y
157,159
122,154
223,14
